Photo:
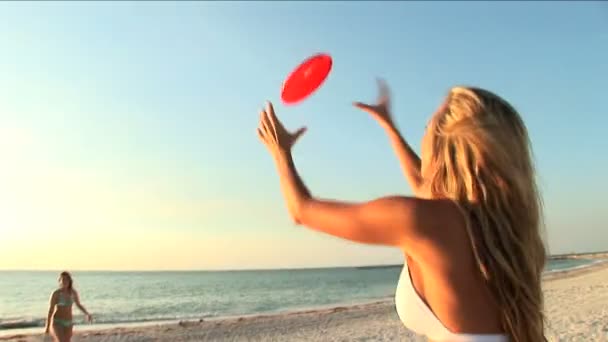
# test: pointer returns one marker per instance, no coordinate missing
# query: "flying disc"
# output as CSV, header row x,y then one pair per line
x,y
306,78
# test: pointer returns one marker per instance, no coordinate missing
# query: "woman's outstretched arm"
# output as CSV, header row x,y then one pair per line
x,y
408,159
391,221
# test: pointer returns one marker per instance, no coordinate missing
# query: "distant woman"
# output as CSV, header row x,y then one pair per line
x,y
470,235
60,309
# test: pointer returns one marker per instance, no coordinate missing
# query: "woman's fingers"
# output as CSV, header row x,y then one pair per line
x,y
276,124
297,134
363,106
264,123
383,91
267,129
270,122
272,114
374,110
262,117
261,135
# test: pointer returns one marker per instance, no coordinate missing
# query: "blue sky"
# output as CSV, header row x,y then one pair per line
x,y
127,130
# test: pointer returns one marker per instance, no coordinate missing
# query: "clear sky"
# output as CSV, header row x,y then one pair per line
x,y
127,130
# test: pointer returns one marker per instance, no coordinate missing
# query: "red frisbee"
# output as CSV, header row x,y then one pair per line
x,y
306,78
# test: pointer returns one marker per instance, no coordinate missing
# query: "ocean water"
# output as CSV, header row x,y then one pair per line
x,y
132,297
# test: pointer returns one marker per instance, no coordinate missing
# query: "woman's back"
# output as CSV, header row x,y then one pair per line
x,y
446,279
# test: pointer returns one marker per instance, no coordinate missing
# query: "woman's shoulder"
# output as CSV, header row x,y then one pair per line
x,y
55,294
443,216
446,224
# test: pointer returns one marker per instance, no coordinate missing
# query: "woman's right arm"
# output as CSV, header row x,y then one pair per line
x,y
408,159
52,302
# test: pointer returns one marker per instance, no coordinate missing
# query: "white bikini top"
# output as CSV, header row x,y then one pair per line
x,y
418,317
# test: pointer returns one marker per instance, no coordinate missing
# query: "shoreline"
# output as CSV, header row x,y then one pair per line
x,y
113,328
595,265
364,305
6,334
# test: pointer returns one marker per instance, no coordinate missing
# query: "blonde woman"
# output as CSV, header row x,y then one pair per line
x,y
471,235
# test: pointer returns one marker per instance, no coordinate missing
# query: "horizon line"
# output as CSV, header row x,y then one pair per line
x,y
209,270
549,257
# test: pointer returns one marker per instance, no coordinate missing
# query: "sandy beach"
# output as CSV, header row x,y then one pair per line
x,y
576,309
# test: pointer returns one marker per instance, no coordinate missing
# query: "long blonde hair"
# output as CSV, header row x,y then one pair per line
x,y
481,159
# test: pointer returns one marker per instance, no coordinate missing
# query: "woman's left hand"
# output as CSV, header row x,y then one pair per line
x,y
381,111
274,135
